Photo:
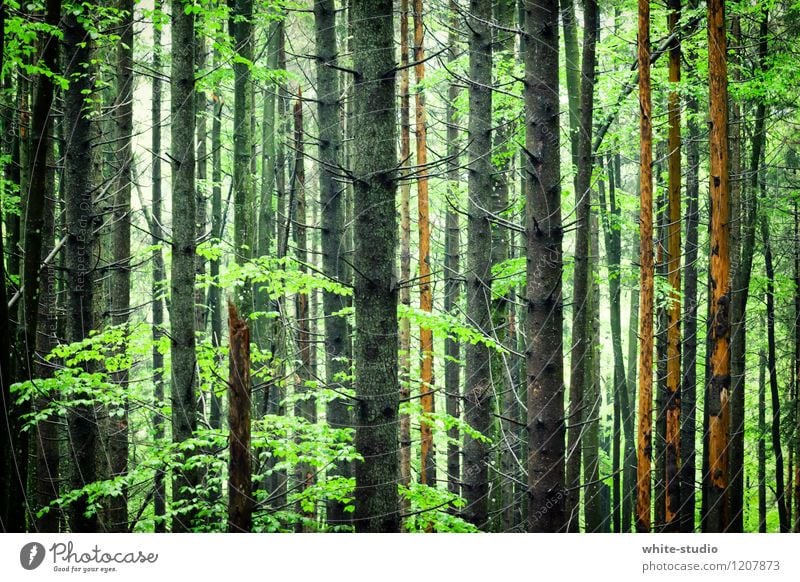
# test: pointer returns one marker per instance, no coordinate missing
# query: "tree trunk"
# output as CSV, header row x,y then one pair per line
x,y
502,308
689,382
646,281
762,443
544,325
452,266
630,471
182,128
243,203
573,77
772,363
581,306
740,294
159,275
240,503
405,252
719,292
80,249
427,453
117,426
375,293
332,203
672,446
478,397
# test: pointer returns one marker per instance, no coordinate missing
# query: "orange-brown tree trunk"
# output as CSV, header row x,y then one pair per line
x,y
673,404
645,437
427,459
719,293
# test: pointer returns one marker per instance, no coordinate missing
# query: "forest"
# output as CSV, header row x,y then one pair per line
x,y
400,266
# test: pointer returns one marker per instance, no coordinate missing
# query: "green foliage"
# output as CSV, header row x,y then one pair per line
x,y
433,509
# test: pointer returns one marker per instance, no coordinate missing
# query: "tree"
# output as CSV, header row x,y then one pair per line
x,y
332,202
672,406
544,358
375,288
478,389
427,454
80,247
182,321
719,276
646,277
240,502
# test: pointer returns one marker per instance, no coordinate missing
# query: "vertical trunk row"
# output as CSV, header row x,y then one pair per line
x,y
182,331
544,358
646,277
719,275
452,262
375,289
6,437
405,250
479,395
672,406
427,457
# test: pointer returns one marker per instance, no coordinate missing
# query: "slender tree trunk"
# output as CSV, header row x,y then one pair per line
x,y
773,376
762,443
719,292
217,228
405,252
645,435
622,407
306,406
332,203
630,472
581,306
796,353
672,447
159,275
479,397
572,57
544,326
243,204
375,293
240,503
47,430
427,453
117,426
689,382
452,265
182,129
740,293
201,159
502,308
80,248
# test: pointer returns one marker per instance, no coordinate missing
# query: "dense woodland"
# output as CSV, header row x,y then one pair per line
x,y
400,265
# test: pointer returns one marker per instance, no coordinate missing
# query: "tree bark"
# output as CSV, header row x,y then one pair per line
x,y
375,292
479,397
427,453
544,325
452,266
117,426
581,305
762,443
80,248
240,502
672,446
182,321
646,277
719,292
